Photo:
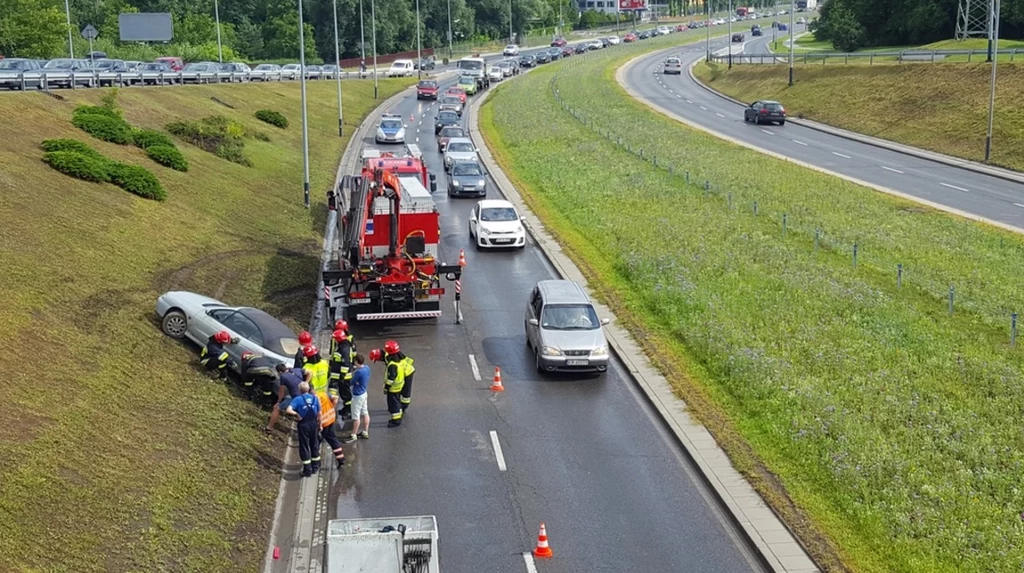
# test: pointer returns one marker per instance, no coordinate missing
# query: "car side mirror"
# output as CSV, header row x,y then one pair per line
x,y
522,218
534,322
235,340
605,320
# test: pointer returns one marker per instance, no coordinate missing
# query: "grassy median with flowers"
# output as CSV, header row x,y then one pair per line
x,y
116,452
883,429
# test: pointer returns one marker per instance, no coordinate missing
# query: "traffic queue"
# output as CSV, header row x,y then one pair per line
x,y
320,393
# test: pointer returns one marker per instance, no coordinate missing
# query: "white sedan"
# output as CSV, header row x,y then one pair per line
x,y
511,50
496,223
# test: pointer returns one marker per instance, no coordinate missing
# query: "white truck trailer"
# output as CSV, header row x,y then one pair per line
x,y
383,545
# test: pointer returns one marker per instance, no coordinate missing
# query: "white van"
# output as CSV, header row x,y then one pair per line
x,y
401,68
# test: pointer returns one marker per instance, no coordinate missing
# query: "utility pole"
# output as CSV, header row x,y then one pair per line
x,y
71,44
419,56
373,34
792,38
216,14
994,38
707,28
362,34
337,61
510,38
450,53
305,121
729,16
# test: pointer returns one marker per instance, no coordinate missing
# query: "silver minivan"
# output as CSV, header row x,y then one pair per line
x,y
563,329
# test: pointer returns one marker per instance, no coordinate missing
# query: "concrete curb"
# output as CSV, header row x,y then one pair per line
x,y
303,548
966,164
776,547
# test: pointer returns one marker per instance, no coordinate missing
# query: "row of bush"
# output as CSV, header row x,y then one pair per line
x,y
272,117
76,159
104,122
216,134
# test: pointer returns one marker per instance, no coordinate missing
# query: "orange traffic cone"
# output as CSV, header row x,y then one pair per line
x,y
496,385
542,549
412,117
462,257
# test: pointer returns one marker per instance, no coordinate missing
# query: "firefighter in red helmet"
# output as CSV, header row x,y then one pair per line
x,y
397,379
214,357
342,353
305,339
319,370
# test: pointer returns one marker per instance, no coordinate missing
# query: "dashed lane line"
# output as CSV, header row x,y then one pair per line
x,y
953,187
841,155
891,169
768,132
718,114
798,142
531,567
497,451
475,367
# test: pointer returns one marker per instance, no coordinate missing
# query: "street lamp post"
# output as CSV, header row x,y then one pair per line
x,y
707,27
362,34
419,57
994,35
337,62
729,33
71,44
373,36
450,53
216,15
792,37
305,122
510,39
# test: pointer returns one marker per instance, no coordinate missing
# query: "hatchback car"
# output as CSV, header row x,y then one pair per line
x,y
445,118
456,92
510,50
673,66
496,223
467,178
765,111
197,317
542,58
427,89
450,102
558,42
467,84
563,329
459,149
446,134
527,61
737,37
581,49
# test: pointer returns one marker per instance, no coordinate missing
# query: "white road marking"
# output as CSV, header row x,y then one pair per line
x,y
497,450
841,155
891,169
719,115
679,96
703,108
953,187
531,567
671,92
799,142
1019,205
417,139
688,101
473,365
768,132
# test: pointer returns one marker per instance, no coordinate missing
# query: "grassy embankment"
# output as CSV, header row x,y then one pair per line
x,y
890,101
885,431
116,453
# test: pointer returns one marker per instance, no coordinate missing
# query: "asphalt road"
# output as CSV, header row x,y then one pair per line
x,y
587,456
967,191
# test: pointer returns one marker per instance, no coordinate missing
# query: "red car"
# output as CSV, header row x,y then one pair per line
x,y
457,92
173,62
681,28
427,89
567,51
630,37
558,42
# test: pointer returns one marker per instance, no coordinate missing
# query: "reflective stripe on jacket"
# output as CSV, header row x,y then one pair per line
x,y
394,385
319,375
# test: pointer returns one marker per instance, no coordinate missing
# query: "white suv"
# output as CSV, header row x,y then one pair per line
x,y
511,50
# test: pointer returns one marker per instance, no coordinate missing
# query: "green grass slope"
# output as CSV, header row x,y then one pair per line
x,y
116,454
940,107
885,431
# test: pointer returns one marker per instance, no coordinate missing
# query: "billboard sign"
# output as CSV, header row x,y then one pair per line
x,y
145,27
632,4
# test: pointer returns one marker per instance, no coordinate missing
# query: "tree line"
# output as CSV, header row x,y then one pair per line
x,y
260,30
854,24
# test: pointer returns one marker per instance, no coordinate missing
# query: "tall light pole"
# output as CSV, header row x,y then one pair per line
x,y
510,39
373,34
729,16
71,43
305,122
362,35
450,54
993,32
337,62
707,27
419,57
792,38
216,15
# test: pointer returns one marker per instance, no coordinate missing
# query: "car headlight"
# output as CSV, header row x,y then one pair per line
x,y
599,351
520,229
380,133
455,182
550,351
485,231
481,183
401,133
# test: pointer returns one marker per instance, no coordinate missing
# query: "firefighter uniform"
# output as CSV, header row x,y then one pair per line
x,y
343,353
213,357
407,364
328,418
259,373
394,383
307,408
318,369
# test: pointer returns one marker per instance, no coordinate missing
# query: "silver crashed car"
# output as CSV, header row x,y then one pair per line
x,y
197,317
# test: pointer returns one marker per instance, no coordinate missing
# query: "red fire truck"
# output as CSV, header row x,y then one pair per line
x,y
385,265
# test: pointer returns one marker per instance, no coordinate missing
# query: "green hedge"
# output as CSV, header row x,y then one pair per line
x,y
215,134
104,127
70,145
146,138
97,110
168,156
80,165
137,180
272,117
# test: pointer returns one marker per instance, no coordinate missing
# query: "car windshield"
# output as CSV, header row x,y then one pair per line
x,y
448,116
283,346
264,67
390,124
773,106
672,61
460,146
471,65
452,132
468,169
428,84
498,214
59,64
451,101
466,81
15,65
569,317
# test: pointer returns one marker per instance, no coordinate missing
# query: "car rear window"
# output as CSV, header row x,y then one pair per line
x,y
774,106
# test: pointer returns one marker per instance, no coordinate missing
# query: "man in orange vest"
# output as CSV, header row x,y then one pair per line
x,y
328,417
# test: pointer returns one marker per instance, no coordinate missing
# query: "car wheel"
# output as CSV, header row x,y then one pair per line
x,y
174,324
783,122
757,120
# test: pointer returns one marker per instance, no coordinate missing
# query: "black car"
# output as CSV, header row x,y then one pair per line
x,y
445,117
756,32
555,53
425,64
527,61
466,178
581,49
543,58
737,37
605,42
644,35
765,111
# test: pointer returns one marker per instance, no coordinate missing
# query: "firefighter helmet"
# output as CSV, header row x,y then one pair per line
x,y
305,338
391,347
339,335
222,337
309,351
375,355
341,325
247,355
